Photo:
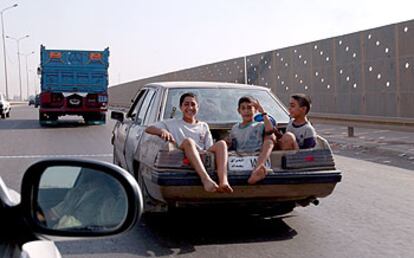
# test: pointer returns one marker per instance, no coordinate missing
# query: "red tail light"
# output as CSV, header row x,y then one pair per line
x,y
96,100
92,98
310,158
48,99
45,97
186,161
57,97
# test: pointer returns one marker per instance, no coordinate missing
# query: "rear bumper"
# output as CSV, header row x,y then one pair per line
x,y
172,187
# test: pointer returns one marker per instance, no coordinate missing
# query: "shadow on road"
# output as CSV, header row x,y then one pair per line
x,y
24,124
180,233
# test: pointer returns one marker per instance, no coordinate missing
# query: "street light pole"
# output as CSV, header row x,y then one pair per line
x,y
4,47
27,73
18,59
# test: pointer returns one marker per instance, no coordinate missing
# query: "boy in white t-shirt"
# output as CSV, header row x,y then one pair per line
x,y
191,136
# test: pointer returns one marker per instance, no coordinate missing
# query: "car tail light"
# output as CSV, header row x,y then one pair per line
x,y
175,159
308,159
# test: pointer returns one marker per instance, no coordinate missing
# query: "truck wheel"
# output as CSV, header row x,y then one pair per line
x,y
42,118
103,118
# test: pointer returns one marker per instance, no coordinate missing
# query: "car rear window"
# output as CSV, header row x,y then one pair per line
x,y
220,105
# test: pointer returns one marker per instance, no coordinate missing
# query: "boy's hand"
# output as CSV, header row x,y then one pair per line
x,y
167,136
258,107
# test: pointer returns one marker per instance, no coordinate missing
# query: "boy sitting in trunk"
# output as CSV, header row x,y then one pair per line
x,y
252,136
192,136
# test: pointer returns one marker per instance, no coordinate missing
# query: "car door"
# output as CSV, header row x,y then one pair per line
x,y
123,128
137,128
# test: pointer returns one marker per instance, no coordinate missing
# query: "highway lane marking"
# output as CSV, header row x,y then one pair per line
x,y
53,156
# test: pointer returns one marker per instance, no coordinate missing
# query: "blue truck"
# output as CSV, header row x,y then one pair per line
x,y
73,82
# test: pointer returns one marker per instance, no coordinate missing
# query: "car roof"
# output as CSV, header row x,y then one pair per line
x,y
197,84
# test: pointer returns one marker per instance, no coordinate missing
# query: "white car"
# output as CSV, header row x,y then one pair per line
x,y
168,181
4,107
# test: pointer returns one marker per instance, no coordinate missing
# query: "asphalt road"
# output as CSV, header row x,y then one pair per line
x,y
370,213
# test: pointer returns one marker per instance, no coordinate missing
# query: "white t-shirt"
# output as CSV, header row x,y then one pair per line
x,y
247,138
199,132
305,134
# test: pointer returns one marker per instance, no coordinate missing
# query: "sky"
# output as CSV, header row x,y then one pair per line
x,y
148,38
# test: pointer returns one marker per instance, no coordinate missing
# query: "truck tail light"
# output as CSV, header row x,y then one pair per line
x,y
56,98
49,99
97,100
45,97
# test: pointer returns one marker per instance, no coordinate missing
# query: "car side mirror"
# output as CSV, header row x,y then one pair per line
x,y
117,116
76,198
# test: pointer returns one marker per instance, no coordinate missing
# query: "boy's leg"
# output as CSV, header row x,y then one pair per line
x,y
260,172
220,153
288,142
191,152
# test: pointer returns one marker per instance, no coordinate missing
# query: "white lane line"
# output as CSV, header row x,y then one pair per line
x,y
54,156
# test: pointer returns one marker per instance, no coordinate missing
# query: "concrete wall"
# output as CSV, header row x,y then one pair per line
x,y
367,73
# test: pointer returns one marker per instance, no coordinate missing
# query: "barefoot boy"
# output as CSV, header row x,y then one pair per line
x,y
250,136
191,136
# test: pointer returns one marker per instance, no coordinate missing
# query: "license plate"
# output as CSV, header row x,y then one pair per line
x,y
237,163
102,99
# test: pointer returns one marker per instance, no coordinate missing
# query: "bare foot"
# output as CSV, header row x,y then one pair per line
x,y
209,185
258,174
225,188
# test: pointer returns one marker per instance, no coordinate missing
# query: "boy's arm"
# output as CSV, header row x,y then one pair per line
x,y
161,132
268,125
229,140
309,143
310,140
277,133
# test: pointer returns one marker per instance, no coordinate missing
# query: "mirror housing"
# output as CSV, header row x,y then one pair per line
x,y
116,115
57,172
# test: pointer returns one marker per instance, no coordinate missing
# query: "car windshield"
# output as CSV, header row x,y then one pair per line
x,y
220,105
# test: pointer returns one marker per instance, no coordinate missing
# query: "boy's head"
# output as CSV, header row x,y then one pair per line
x,y
299,105
189,104
246,108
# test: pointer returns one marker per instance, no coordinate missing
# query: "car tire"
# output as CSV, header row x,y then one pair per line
x,y
151,206
3,115
8,114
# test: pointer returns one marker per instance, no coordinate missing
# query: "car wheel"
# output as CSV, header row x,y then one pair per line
x,y
3,116
151,206
8,114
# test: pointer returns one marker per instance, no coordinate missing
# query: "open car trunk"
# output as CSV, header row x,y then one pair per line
x,y
298,177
